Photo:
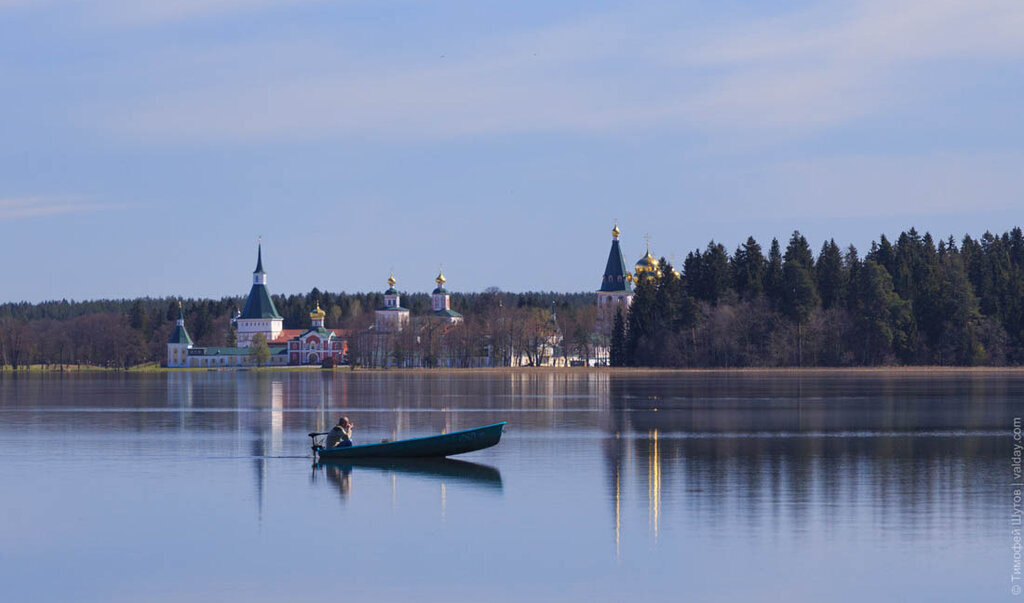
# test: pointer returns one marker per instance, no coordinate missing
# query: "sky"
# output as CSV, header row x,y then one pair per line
x,y
144,146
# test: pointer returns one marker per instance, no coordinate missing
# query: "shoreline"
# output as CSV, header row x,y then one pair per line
x,y
767,371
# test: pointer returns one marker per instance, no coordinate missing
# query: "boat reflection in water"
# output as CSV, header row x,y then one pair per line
x,y
447,471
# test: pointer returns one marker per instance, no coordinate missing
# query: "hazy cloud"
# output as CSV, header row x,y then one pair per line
x,y
791,74
34,207
135,13
860,186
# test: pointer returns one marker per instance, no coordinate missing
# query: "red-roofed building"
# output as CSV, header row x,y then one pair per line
x,y
316,345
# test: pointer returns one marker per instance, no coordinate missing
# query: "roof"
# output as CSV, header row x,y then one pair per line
x,y
259,304
259,260
395,309
326,333
226,351
180,336
290,334
451,313
439,291
615,272
391,291
287,334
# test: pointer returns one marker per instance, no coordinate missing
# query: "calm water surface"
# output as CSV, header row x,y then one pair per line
x,y
714,487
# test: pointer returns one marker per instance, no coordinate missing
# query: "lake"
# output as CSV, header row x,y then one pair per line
x,y
660,486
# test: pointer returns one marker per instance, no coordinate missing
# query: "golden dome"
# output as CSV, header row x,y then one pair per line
x,y
648,263
391,280
615,231
440,280
318,313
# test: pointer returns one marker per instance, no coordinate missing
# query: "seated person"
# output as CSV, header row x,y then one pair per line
x,y
340,435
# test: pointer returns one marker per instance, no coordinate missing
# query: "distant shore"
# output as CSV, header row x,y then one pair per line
x,y
865,370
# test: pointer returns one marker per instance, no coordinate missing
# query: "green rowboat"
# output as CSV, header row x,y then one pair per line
x,y
446,444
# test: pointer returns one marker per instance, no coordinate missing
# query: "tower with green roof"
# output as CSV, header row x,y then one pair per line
x,y
441,303
259,314
179,343
616,290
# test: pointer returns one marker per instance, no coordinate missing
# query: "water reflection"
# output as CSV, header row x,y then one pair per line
x,y
785,483
339,472
601,479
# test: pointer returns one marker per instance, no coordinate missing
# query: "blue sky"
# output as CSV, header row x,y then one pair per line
x,y
145,145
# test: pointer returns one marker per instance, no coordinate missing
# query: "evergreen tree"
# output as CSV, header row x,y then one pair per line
x,y
138,318
642,322
959,317
882,254
798,251
714,277
773,274
852,266
748,269
831,276
799,290
884,322
616,354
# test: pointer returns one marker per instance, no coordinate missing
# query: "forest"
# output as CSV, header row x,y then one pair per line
x,y
908,302
912,301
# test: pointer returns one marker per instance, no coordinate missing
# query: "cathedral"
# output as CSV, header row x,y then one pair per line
x,y
616,292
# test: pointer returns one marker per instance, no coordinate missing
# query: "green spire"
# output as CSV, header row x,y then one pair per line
x,y
259,257
180,335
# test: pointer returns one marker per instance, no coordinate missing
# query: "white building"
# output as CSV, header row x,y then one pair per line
x,y
392,318
259,315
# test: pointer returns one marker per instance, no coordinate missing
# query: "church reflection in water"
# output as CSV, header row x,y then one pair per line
x,y
763,448
713,452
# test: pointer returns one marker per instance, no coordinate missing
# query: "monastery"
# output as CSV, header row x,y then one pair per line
x,y
316,345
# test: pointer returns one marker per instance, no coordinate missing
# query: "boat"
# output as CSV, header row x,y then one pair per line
x,y
445,444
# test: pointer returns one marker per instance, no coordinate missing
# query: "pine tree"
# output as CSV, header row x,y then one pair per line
x,y
616,354
773,274
712,278
884,321
641,324
830,275
748,269
799,290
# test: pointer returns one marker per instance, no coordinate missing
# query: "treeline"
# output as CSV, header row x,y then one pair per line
x,y
124,333
912,302
915,301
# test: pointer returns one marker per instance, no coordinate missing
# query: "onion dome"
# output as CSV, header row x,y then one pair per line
x,y
391,285
647,265
317,314
440,280
616,231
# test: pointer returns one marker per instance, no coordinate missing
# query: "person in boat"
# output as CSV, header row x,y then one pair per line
x,y
340,435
